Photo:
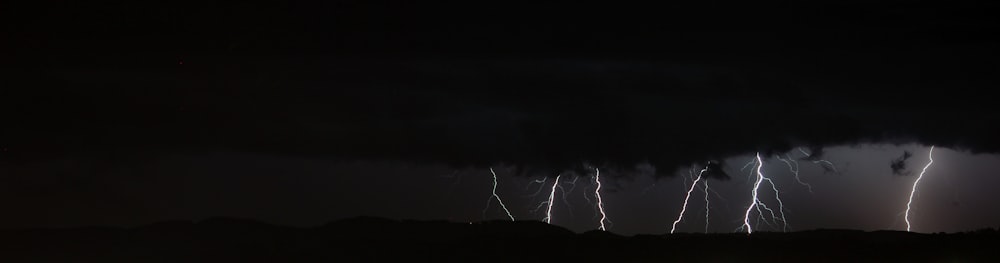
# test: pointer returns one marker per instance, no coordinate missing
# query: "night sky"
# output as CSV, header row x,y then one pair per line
x,y
120,114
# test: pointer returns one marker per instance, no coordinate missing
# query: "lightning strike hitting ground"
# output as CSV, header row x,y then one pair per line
x,y
793,166
706,206
684,207
755,203
497,197
930,154
552,198
600,202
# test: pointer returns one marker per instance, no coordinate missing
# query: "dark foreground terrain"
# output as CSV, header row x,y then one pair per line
x,y
382,240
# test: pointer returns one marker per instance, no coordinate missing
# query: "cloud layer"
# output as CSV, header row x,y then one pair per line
x,y
543,92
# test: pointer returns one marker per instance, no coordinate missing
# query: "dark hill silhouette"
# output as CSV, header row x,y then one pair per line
x,y
371,239
600,234
367,228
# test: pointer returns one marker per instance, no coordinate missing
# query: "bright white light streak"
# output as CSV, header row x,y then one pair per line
x,y
684,207
754,201
930,154
552,198
497,196
600,201
759,205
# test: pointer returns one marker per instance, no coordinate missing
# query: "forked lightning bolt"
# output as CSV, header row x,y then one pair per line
x,y
755,203
497,196
781,205
793,166
600,202
913,190
684,207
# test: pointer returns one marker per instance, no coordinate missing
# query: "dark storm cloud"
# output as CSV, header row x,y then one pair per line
x,y
815,155
548,114
715,171
898,165
541,93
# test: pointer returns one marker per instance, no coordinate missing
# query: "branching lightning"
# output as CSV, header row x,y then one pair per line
x,y
913,189
781,205
565,193
684,207
600,202
793,166
755,202
497,196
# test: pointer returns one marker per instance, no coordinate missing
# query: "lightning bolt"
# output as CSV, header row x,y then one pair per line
x,y
913,190
552,197
706,206
497,197
600,202
757,204
754,201
795,170
684,207
781,205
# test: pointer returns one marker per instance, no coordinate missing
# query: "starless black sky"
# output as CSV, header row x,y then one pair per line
x,y
106,87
